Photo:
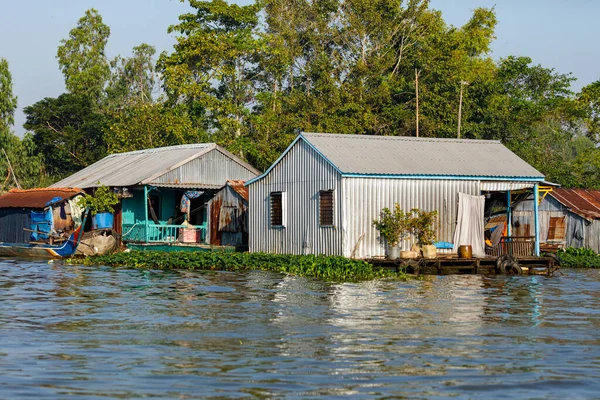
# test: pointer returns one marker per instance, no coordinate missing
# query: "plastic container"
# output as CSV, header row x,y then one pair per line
x,y
103,221
189,235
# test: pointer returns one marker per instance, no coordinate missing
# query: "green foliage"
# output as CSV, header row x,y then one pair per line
x,y
393,226
578,258
67,132
423,226
8,101
82,58
329,268
24,158
103,200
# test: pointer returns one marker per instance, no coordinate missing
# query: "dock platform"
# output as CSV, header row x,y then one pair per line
x,y
484,266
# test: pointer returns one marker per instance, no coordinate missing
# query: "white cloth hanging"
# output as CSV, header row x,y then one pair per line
x,y
470,224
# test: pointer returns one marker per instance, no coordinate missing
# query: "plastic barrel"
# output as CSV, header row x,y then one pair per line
x,y
103,221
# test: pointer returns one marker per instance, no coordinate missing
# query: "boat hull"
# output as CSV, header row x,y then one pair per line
x,y
66,249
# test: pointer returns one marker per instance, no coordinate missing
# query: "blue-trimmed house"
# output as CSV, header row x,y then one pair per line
x,y
163,188
323,193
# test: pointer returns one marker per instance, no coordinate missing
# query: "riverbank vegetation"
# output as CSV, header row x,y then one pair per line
x,y
329,268
578,258
251,77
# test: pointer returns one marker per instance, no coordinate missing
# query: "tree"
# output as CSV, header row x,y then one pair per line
x,y
133,79
26,166
68,132
212,70
590,101
8,101
150,125
82,59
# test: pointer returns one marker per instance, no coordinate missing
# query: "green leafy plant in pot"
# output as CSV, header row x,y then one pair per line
x,y
101,205
423,227
393,227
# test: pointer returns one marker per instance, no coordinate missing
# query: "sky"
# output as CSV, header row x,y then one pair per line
x,y
558,34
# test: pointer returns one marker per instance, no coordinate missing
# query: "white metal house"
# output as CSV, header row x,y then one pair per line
x,y
323,193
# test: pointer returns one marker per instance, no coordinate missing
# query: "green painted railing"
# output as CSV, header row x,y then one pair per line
x,y
159,233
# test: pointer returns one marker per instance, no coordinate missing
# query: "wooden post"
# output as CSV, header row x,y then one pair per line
x,y
417,99
460,105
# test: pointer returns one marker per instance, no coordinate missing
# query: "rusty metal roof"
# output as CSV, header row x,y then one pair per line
x,y
239,188
35,198
583,202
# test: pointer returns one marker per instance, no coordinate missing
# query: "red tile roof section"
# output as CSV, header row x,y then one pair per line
x,y
582,202
239,188
35,198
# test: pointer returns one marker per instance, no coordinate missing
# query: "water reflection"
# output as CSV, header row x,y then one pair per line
x,y
67,330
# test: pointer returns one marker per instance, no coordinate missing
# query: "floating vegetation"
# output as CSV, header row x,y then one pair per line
x,y
329,268
578,258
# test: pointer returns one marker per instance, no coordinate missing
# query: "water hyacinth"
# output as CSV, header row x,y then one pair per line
x,y
329,268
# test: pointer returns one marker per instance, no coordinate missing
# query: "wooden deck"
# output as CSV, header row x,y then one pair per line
x,y
448,266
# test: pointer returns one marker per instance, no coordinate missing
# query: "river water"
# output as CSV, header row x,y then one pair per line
x,y
83,332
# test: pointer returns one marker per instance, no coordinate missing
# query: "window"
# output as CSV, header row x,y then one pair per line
x,y
277,214
556,229
326,207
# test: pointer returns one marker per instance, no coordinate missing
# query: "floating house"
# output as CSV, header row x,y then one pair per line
x,y
323,193
36,215
567,218
165,192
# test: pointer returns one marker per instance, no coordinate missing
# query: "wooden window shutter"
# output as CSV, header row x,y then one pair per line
x,y
277,209
556,228
326,208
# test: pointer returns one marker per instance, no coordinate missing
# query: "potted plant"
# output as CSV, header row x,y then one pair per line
x,y
423,227
393,227
102,205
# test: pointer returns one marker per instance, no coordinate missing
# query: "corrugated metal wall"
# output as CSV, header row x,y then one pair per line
x,y
227,197
578,232
365,197
212,168
301,174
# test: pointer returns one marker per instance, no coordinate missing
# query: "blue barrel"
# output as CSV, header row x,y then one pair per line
x,y
102,221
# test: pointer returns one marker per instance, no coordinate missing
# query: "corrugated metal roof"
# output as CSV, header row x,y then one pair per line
x,y
400,155
239,188
35,198
582,202
142,166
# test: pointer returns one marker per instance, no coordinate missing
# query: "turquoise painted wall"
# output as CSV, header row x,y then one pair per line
x,y
134,211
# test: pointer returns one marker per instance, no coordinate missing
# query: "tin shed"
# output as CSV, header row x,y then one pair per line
x,y
163,188
323,193
568,218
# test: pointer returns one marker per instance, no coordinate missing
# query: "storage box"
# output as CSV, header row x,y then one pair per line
x,y
189,235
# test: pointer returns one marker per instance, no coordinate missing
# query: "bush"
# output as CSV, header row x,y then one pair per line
x,y
103,200
573,257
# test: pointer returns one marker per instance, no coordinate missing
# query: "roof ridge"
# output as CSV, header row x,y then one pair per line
x,y
391,137
165,148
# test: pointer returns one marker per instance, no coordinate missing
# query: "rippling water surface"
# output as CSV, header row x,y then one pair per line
x,y
70,331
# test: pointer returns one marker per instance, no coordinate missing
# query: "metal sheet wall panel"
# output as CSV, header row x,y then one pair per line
x,y
577,233
592,235
365,197
212,168
301,174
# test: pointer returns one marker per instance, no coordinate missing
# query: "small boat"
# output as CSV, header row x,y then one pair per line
x,y
45,223
43,250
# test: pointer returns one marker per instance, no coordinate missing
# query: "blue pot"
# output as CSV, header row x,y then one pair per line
x,y
102,221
